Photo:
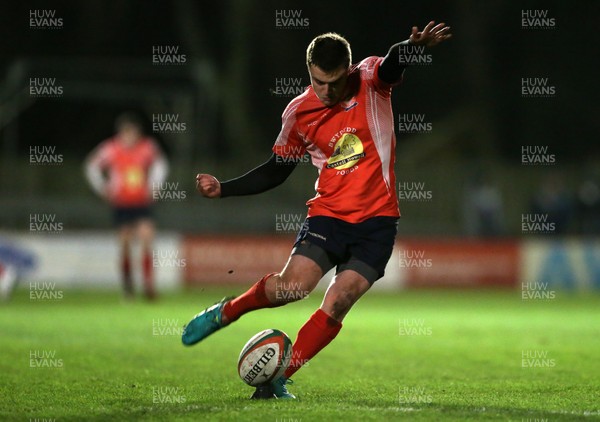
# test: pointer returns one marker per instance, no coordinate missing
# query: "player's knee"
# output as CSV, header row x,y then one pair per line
x,y
125,242
297,281
146,232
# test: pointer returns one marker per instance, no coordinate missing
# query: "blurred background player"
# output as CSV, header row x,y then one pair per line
x,y
125,170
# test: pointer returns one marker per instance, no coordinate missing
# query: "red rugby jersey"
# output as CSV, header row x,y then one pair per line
x,y
127,170
352,144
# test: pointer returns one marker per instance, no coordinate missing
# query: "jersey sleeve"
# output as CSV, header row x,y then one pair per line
x,y
289,143
98,160
102,155
158,167
152,150
370,73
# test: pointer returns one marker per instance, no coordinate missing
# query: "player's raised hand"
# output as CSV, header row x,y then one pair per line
x,y
431,35
208,185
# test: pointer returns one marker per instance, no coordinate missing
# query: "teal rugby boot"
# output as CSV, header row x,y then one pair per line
x,y
205,323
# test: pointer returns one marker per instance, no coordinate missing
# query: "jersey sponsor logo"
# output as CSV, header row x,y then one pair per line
x,y
347,152
134,177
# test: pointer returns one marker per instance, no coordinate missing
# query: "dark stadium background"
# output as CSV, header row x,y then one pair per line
x,y
471,95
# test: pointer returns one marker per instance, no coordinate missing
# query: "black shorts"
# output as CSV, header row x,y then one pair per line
x,y
364,247
123,216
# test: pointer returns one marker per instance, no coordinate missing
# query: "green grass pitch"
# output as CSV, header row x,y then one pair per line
x,y
416,355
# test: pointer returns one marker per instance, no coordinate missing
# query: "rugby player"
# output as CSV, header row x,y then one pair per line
x,y
344,121
124,170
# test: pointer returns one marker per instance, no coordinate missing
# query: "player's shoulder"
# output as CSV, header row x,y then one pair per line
x,y
367,67
108,145
366,72
111,141
105,151
148,141
299,103
148,144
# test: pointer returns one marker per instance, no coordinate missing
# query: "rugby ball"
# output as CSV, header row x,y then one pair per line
x,y
265,357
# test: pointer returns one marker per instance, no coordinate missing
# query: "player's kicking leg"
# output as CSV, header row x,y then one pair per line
x,y
299,277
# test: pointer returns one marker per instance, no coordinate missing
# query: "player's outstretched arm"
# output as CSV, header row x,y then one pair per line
x,y
268,175
391,67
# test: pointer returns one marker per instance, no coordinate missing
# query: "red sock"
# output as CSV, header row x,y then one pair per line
x,y
148,272
314,335
254,298
126,272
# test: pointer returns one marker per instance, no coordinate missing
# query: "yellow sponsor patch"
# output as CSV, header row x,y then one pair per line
x,y
134,177
346,153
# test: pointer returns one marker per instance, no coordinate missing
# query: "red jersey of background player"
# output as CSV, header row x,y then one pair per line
x,y
352,144
128,171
